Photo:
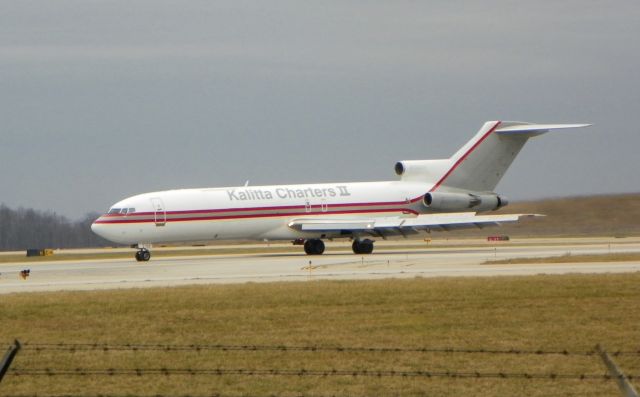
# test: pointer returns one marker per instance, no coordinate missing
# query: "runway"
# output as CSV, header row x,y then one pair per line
x,y
459,259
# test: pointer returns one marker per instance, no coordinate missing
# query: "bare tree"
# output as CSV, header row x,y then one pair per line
x,y
28,228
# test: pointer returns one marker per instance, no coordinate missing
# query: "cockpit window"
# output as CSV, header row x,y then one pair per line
x,y
121,211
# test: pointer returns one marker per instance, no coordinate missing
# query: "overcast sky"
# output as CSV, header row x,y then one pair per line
x,y
100,100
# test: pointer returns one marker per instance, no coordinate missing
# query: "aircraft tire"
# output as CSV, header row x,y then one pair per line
x,y
362,246
308,247
314,247
367,246
143,255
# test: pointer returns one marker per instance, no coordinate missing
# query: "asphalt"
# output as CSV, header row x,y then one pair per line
x,y
441,259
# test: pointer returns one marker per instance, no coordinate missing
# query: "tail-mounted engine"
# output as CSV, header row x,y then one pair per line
x,y
459,202
427,171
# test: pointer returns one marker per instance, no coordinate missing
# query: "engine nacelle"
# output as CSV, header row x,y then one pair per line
x,y
459,202
428,171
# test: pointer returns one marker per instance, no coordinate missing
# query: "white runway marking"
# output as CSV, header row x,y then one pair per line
x,y
339,264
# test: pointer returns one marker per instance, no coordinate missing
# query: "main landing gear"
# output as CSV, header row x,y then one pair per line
x,y
143,255
314,247
362,246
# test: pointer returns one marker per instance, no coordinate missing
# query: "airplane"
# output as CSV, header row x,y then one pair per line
x,y
443,194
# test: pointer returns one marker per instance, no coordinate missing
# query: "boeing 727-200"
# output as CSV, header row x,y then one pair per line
x,y
430,195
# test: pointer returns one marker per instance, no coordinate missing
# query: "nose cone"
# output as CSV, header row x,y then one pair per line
x,y
109,231
97,228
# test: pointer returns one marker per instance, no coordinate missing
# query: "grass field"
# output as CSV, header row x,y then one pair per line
x,y
549,313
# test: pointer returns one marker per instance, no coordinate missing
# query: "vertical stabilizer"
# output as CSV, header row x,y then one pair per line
x,y
482,162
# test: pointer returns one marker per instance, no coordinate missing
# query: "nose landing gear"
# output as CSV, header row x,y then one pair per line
x,y
143,255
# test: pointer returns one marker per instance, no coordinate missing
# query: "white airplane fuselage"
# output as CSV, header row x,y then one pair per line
x,y
253,212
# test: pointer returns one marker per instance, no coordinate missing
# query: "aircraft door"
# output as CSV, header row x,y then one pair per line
x,y
159,212
323,205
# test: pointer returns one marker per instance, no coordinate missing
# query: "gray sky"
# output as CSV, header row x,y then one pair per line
x,y
100,100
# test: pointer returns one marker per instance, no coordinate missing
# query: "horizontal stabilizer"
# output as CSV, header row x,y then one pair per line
x,y
513,127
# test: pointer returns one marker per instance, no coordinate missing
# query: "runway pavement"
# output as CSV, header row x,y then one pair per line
x,y
439,260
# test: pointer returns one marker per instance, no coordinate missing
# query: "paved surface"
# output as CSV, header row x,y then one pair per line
x,y
442,259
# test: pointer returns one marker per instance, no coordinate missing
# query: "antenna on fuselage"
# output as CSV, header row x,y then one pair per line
x,y
246,183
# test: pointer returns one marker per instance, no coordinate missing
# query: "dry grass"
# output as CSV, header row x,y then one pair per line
x,y
543,312
568,258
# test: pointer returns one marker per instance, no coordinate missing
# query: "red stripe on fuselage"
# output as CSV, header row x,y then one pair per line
x,y
207,218
272,208
464,156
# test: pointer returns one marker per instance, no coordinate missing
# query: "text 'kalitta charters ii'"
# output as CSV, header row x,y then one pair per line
x,y
287,193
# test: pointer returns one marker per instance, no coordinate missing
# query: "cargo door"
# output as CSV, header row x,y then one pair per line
x,y
159,211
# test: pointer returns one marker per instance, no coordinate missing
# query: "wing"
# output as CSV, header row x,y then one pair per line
x,y
397,226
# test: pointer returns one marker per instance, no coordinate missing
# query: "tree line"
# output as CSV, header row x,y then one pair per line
x,y
25,228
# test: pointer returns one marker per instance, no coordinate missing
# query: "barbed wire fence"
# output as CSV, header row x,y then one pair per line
x,y
308,372
73,348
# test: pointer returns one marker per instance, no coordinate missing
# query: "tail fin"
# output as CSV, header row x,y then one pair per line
x,y
482,162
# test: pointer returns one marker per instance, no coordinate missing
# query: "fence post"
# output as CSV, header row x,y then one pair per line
x,y
8,358
623,382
